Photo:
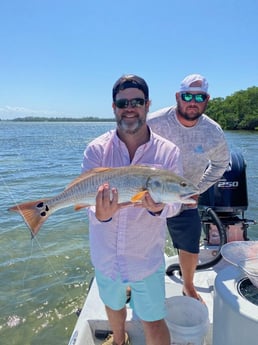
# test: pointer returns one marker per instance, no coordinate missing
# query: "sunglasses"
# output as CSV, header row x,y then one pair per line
x,y
188,97
134,103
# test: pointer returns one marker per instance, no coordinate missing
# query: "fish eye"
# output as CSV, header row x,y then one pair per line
x,y
183,184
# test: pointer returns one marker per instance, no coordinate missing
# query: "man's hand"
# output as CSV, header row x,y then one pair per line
x,y
151,205
106,202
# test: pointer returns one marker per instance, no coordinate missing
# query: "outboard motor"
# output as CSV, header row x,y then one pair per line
x,y
222,209
228,199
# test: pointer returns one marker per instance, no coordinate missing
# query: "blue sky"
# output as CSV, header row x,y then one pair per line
x,y
62,57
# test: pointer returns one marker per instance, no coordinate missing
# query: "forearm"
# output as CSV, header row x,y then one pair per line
x,y
216,168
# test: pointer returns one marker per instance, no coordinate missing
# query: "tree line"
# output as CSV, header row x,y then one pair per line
x,y
235,112
60,119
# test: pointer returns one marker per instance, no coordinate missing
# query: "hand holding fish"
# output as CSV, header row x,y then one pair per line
x,y
106,202
151,205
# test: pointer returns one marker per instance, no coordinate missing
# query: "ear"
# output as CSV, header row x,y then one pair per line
x,y
177,96
147,105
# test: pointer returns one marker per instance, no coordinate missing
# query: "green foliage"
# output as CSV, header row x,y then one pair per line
x,y
238,111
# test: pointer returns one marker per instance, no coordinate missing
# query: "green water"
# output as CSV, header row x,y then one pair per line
x,y
44,281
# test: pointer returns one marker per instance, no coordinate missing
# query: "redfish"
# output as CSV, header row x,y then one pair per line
x,y
131,182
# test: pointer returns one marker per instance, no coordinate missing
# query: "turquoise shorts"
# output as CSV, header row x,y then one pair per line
x,y
147,295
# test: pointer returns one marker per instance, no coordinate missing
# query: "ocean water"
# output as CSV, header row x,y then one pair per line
x,y
45,280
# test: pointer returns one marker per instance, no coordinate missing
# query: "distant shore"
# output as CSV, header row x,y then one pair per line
x,y
89,119
59,119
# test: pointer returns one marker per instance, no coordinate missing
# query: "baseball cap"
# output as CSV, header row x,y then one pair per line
x,y
128,81
194,82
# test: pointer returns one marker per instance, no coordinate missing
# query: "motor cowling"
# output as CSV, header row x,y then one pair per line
x,y
228,196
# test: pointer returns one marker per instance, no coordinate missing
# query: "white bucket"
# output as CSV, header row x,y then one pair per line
x,y
187,320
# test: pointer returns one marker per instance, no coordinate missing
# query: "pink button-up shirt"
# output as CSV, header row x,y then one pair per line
x,y
132,244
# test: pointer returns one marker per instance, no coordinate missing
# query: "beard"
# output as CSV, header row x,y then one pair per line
x,y
130,127
186,115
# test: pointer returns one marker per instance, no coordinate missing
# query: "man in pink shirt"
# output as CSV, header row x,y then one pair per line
x,y
127,243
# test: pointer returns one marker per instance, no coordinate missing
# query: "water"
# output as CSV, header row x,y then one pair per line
x,y
248,290
44,281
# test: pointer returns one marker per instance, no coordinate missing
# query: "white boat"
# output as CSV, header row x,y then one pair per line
x,y
231,298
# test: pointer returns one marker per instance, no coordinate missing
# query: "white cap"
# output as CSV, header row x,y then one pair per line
x,y
194,82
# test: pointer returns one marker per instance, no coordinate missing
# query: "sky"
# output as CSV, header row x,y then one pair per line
x,y
60,58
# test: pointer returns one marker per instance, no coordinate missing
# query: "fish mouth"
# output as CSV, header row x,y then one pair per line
x,y
188,195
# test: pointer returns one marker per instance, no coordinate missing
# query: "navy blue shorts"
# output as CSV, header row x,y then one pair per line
x,y
185,230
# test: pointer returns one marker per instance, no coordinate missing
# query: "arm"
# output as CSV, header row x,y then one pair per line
x,y
219,161
91,158
106,200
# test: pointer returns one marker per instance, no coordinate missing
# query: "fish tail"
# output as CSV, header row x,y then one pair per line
x,y
34,213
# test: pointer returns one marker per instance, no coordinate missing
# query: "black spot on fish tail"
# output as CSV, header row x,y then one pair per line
x,y
45,211
44,207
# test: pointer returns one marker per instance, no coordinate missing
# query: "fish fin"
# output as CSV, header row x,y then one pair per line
x,y
34,213
100,169
79,207
87,174
138,196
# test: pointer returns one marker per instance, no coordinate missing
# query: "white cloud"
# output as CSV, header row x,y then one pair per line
x,y
11,112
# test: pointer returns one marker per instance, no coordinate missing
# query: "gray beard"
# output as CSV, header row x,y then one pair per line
x,y
132,128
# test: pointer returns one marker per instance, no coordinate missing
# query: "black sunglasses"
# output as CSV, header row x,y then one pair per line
x,y
188,97
134,102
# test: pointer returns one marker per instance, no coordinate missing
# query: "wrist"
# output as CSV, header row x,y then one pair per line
x,y
158,213
104,220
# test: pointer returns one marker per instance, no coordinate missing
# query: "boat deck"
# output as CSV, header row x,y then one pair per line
x,y
93,315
